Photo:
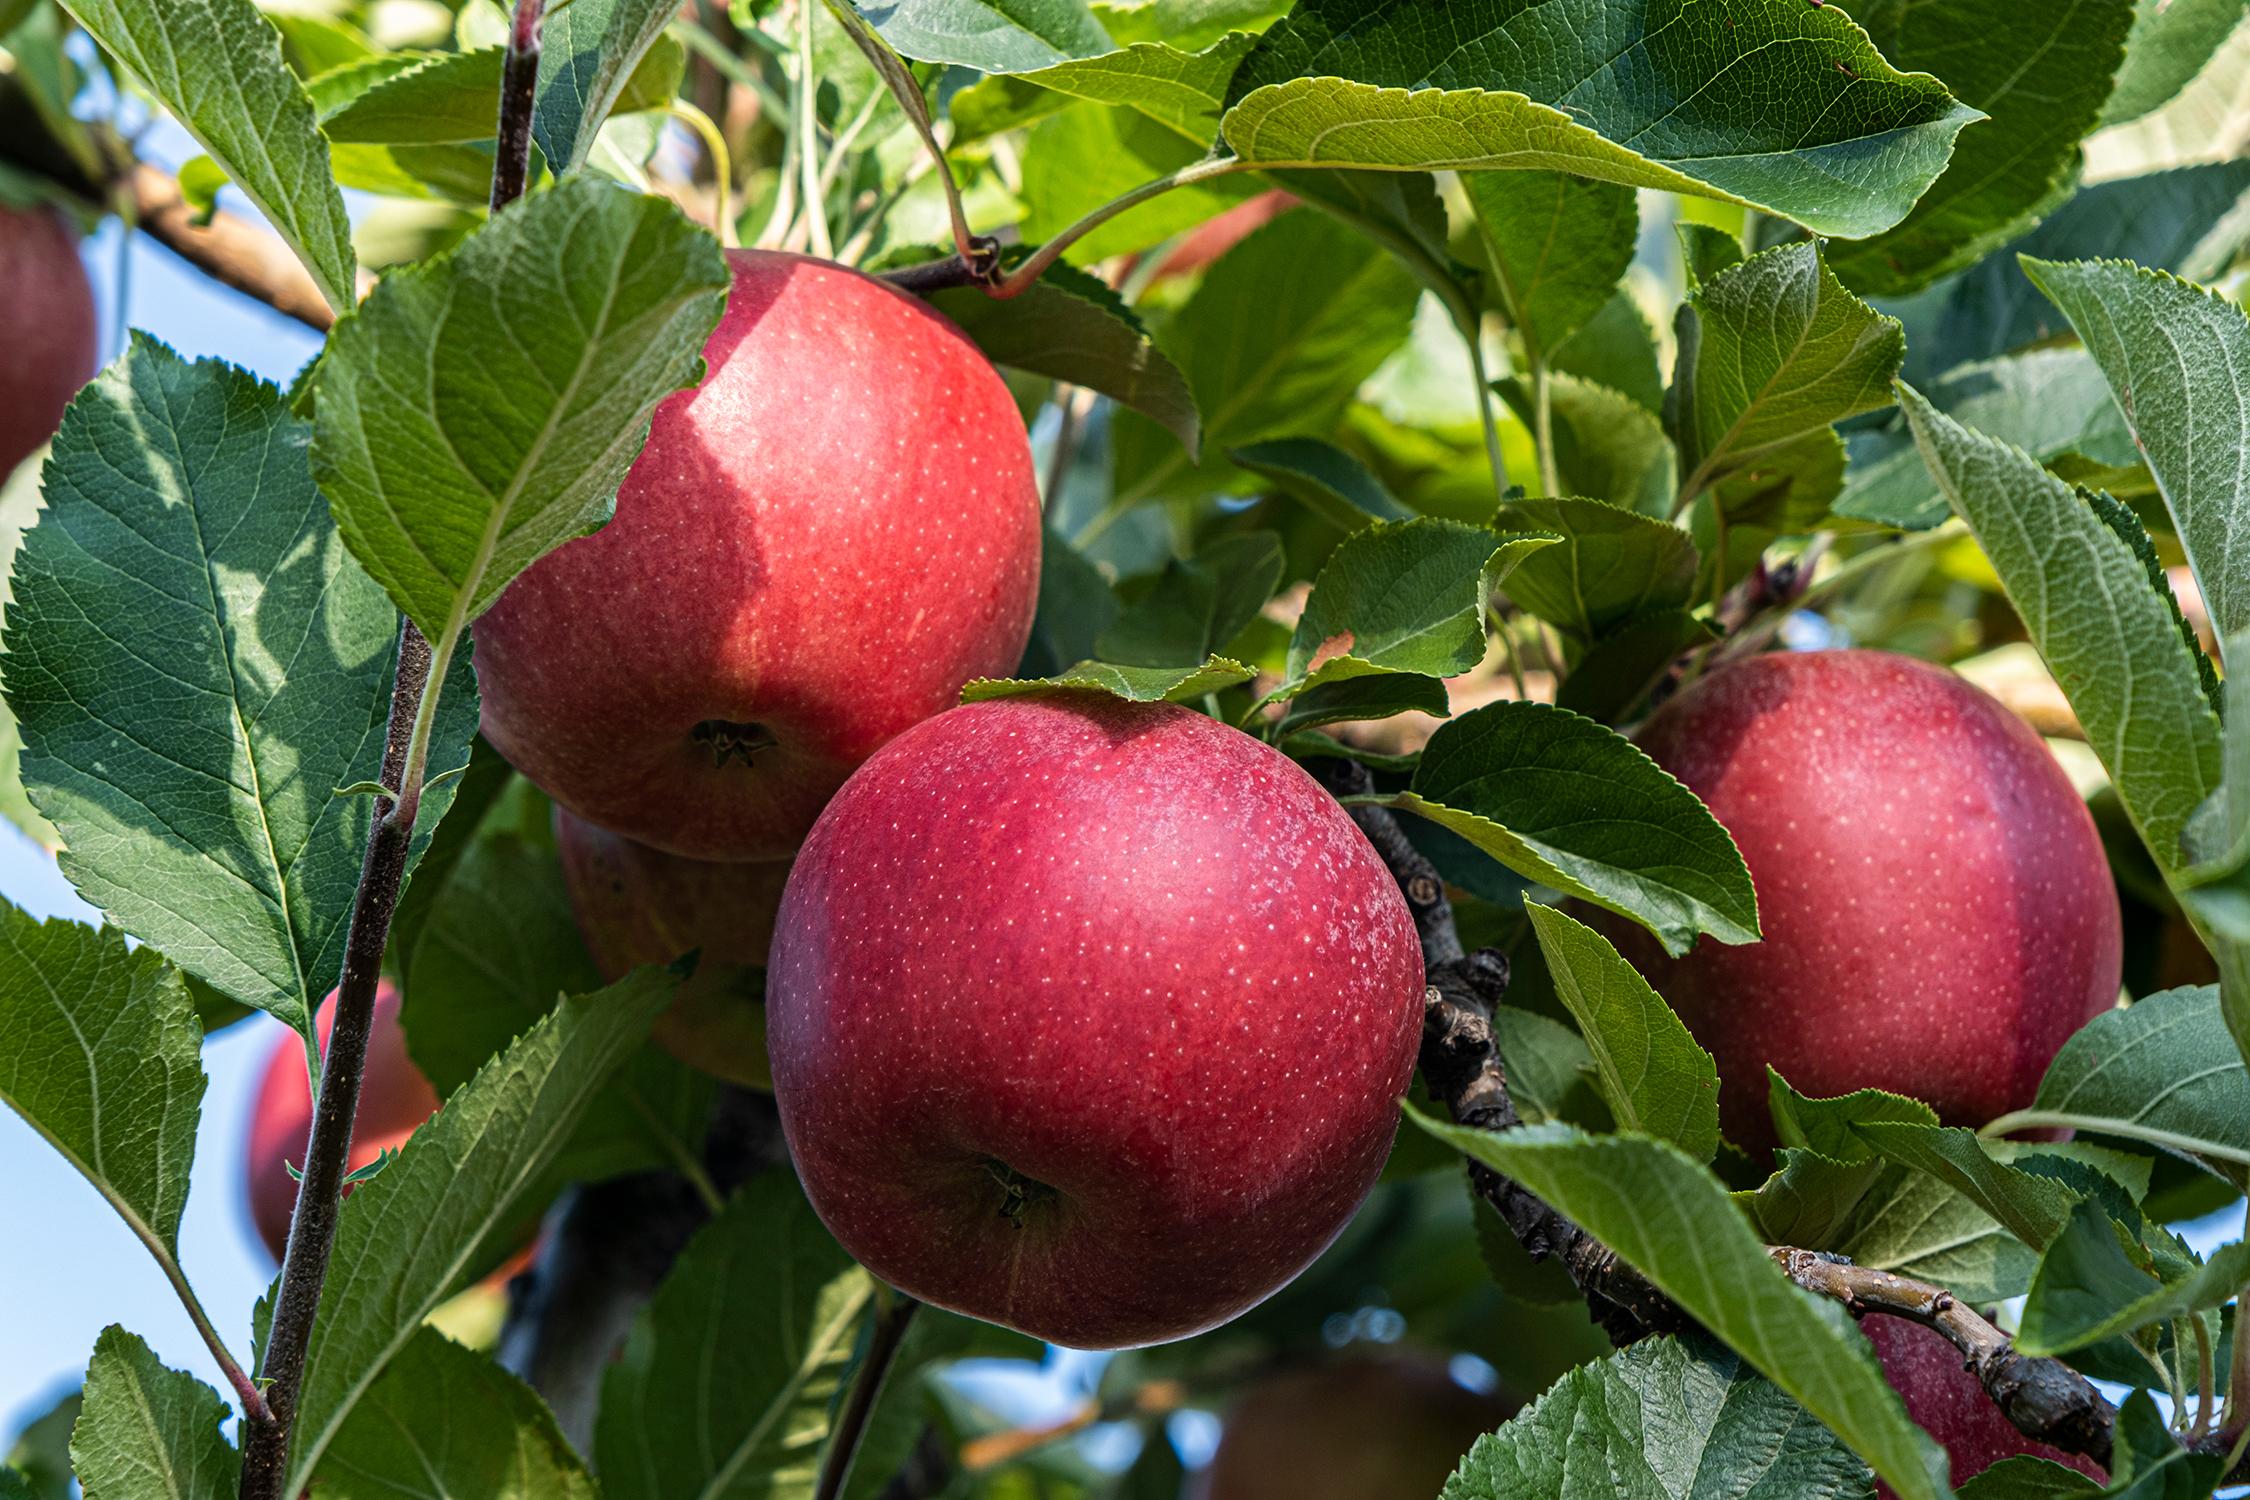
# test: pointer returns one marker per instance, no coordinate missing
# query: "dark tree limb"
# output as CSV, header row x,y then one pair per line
x,y
609,1246
2044,1399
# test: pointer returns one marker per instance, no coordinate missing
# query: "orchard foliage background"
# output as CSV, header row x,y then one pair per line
x,y
1428,389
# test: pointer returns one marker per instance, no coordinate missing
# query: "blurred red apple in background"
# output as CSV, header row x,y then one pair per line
x,y
635,905
1387,1426
47,335
1089,1018
817,548
394,1099
1938,913
1946,1401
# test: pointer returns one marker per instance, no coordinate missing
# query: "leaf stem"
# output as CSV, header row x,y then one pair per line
x,y
808,126
891,1321
722,166
1035,265
1543,428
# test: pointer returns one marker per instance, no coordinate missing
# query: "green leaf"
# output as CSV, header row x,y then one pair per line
x,y
1706,251
446,1423
1332,483
1561,800
1612,565
1405,596
727,1379
445,99
1557,244
1773,352
1619,668
1672,1221
1654,1077
1071,326
1197,605
100,1052
2052,403
2085,1275
2182,220
1616,349
588,52
2042,74
2170,42
216,66
148,1430
406,1239
1831,1126
1134,684
1640,1423
19,511
907,1404
479,410
1782,106
196,666
2025,1478
1607,445
2163,1072
1275,343
498,950
1546,1061
2031,1207
991,36
1914,1225
1382,696
1181,90
2106,627
2088,1288
2178,358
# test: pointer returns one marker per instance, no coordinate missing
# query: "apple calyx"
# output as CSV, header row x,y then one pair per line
x,y
727,740
1019,1194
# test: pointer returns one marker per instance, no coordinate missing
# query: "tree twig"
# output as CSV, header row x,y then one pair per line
x,y
2044,1399
892,1320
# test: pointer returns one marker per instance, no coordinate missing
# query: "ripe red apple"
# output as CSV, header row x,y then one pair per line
x,y
636,905
1938,913
818,546
47,337
1389,1426
1089,1018
1946,1401
394,1099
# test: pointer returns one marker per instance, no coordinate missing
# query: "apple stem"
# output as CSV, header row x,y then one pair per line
x,y
892,1319
2044,1399
519,91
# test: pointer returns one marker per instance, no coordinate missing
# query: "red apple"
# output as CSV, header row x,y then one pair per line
x,y
1389,1426
818,547
1089,1018
1946,1401
394,1099
47,337
636,905
1938,913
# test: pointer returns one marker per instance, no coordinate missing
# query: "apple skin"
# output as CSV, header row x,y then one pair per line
x,y
818,547
635,905
1939,917
394,1099
1120,955
1388,1426
1945,1401
46,329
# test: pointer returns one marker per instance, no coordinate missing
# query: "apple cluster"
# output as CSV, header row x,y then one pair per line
x,y
1089,1017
